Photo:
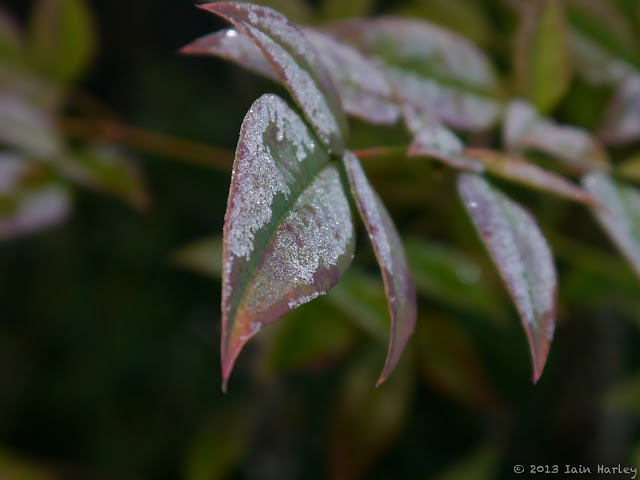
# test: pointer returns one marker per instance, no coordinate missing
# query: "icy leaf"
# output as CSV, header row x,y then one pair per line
x,y
525,129
541,56
363,89
296,62
515,168
622,119
401,294
437,141
433,70
619,214
288,234
62,41
519,250
29,199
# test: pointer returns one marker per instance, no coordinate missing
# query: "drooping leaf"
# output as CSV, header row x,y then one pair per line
x,y
453,277
622,120
363,89
29,199
296,62
435,71
288,234
520,251
436,141
451,365
525,129
62,39
391,256
517,169
541,56
366,421
619,215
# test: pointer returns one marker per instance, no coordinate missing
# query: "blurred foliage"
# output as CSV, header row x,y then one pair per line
x,y
109,360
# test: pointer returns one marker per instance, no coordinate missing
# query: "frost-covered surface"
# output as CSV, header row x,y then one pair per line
x,y
524,129
619,215
517,169
296,62
522,256
288,233
436,141
622,120
391,256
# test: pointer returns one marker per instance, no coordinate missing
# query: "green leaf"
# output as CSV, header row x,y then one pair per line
x,y
522,256
363,89
621,123
365,421
29,199
434,71
452,277
399,287
515,168
298,65
525,129
62,40
619,214
541,56
288,234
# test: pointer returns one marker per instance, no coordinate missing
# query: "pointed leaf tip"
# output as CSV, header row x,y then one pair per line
x,y
288,234
524,260
399,286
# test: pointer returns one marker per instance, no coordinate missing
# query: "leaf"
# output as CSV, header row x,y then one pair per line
x,y
596,64
437,141
541,55
29,200
62,40
621,124
434,71
399,287
452,277
296,62
519,170
451,365
619,215
288,234
363,89
522,256
525,129
365,421
108,170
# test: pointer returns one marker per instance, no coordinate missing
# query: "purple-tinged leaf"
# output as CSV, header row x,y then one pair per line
x,y
520,251
437,141
619,214
29,200
296,62
363,89
288,234
622,120
525,129
399,287
433,70
541,57
515,168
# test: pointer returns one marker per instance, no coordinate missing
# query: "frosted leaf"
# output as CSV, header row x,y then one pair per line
x,y
436,141
524,129
297,64
511,166
399,287
435,71
288,233
619,214
520,251
622,120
